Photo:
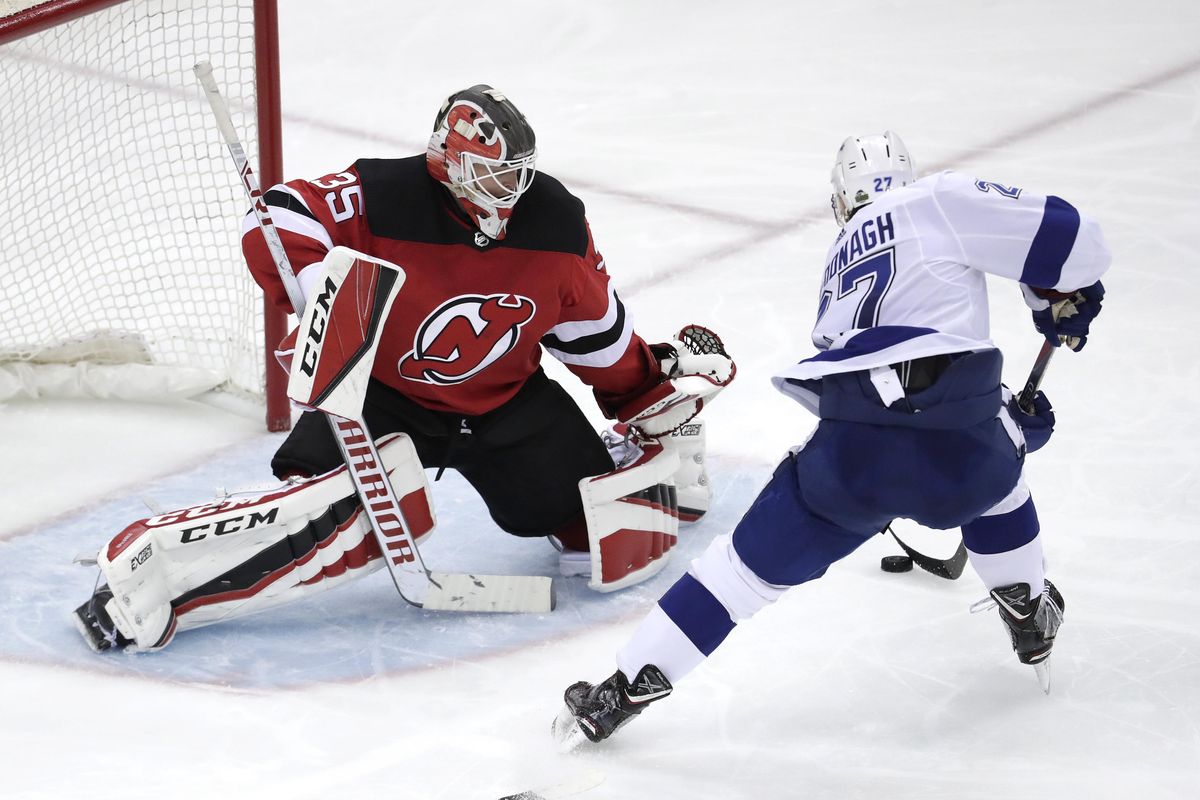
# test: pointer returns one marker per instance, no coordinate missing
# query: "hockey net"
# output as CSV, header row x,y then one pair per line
x,y
120,224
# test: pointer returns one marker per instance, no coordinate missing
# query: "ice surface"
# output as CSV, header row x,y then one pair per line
x,y
700,137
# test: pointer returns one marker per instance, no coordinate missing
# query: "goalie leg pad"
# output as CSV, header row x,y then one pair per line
x,y
633,519
692,486
250,550
691,479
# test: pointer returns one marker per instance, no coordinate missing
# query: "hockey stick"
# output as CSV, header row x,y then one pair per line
x,y
1025,399
416,584
951,568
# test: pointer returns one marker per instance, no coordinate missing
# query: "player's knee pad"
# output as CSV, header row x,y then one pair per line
x,y
252,549
723,573
632,519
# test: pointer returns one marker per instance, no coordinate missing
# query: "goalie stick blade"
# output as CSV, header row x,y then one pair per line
x,y
511,594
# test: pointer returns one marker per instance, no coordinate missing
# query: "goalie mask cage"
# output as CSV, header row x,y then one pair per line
x,y
120,222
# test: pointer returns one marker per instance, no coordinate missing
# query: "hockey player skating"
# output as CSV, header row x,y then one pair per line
x,y
914,421
499,264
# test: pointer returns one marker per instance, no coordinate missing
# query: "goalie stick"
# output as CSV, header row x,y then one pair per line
x,y
416,584
951,568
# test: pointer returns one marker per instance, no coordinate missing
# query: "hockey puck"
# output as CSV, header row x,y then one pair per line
x,y
896,564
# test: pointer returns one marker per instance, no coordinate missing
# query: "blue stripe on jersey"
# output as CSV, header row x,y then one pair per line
x,y
871,340
1002,532
1051,244
697,612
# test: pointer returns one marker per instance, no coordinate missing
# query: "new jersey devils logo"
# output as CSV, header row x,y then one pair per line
x,y
464,335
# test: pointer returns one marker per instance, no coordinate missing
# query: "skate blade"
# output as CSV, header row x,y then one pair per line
x,y
90,634
1042,670
566,731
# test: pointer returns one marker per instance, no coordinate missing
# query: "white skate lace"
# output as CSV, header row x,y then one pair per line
x,y
1047,617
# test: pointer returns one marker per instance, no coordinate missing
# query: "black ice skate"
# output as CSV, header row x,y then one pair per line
x,y
1032,623
96,625
596,712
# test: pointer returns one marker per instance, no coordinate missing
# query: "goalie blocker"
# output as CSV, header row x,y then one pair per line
x,y
245,552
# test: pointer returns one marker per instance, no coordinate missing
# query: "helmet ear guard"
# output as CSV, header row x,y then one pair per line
x,y
483,150
865,167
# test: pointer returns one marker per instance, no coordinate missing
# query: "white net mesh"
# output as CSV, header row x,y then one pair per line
x,y
119,222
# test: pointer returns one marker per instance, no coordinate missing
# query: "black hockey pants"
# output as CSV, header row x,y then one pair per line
x,y
525,458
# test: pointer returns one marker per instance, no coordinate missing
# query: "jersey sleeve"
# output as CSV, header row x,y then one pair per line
x,y
595,338
1039,240
312,217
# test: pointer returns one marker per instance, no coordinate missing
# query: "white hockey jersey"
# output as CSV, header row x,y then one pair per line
x,y
905,277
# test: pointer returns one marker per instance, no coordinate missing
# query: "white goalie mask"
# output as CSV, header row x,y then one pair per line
x,y
483,150
865,167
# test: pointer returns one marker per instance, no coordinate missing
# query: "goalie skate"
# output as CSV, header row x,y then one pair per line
x,y
97,627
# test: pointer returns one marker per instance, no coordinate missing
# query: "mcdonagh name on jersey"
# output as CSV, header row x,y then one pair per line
x,y
872,233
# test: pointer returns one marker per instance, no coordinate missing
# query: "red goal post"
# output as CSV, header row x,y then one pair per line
x,y
120,223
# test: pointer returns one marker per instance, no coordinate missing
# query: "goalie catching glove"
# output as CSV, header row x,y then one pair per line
x,y
694,368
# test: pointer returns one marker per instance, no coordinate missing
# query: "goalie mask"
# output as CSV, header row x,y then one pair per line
x,y
482,150
865,167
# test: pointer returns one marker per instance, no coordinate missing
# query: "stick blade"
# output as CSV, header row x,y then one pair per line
x,y
950,569
501,594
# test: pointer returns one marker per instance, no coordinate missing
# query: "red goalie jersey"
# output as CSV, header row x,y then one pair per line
x,y
468,327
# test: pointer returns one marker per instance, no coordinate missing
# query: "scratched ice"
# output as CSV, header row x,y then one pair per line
x,y
700,137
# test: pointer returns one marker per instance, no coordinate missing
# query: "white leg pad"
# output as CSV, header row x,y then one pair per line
x,y
632,519
250,550
691,479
